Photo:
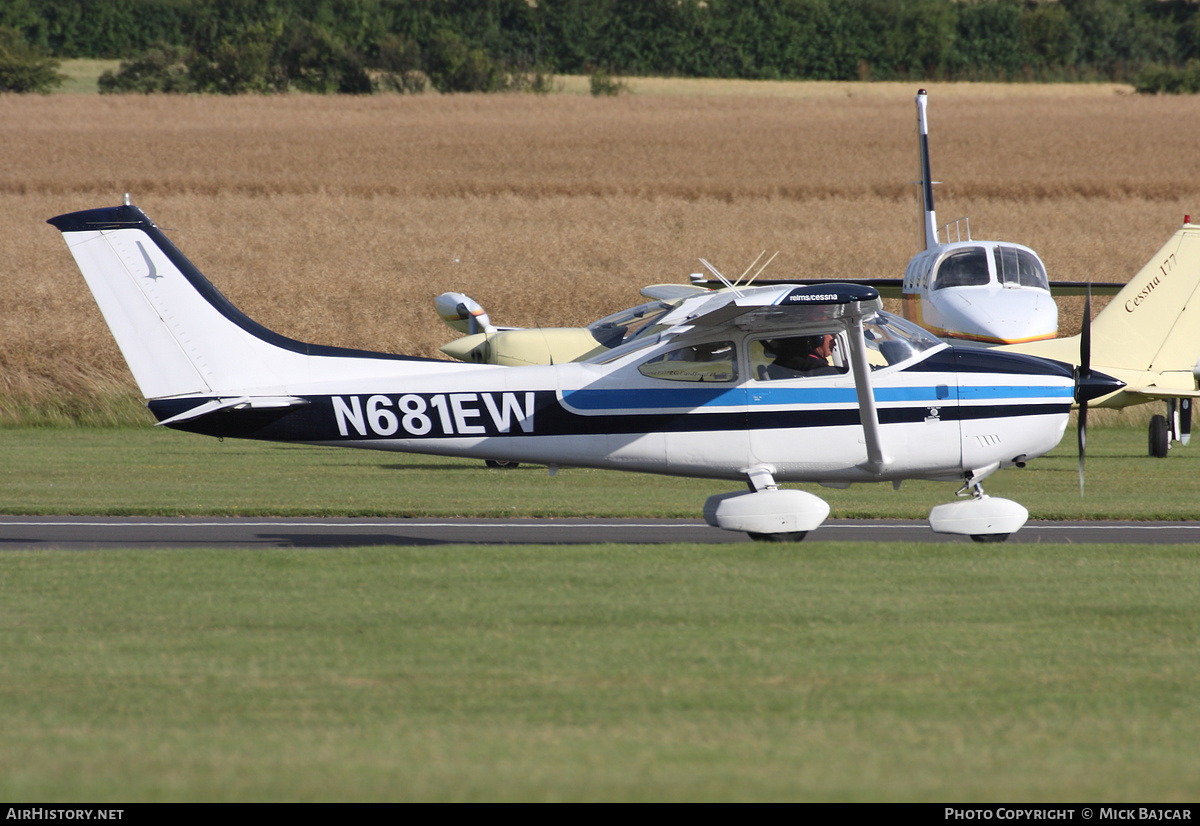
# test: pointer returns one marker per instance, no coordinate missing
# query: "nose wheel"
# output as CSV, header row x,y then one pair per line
x,y
793,536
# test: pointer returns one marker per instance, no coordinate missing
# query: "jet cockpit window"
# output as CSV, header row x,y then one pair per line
x,y
618,328
798,357
1020,268
711,361
962,268
891,340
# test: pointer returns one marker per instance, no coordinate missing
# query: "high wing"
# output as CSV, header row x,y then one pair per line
x,y
893,287
773,307
672,292
886,287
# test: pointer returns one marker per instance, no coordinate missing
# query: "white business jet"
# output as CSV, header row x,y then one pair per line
x,y
759,386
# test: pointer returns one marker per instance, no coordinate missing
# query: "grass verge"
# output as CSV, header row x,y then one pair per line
x,y
834,672
153,472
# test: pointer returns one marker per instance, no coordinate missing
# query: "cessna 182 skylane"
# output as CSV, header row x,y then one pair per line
x,y
700,397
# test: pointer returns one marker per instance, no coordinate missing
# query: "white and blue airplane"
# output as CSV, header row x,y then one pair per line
x,y
707,391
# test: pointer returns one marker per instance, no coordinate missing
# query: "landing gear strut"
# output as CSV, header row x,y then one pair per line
x,y
1176,426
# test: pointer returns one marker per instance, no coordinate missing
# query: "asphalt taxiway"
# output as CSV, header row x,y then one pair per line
x,y
84,532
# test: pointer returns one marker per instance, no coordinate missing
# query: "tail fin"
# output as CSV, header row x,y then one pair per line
x,y
179,335
928,214
1153,324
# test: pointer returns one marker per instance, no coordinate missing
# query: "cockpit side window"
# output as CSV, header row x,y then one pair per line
x,y
962,268
891,340
618,328
711,361
1020,267
798,357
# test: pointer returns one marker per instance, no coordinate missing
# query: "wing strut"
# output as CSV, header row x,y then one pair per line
x,y
876,459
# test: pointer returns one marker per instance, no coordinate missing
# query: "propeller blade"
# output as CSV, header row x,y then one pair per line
x,y
1083,407
1085,373
1085,334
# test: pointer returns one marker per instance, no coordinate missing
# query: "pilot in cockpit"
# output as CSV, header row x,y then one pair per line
x,y
801,356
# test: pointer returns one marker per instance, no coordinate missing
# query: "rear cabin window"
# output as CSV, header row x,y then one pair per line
x,y
712,361
964,268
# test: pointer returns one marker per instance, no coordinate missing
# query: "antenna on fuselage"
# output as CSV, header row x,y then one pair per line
x,y
750,281
929,215
720,277
752,263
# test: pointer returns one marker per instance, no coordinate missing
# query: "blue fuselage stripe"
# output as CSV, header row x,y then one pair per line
x,y
692,398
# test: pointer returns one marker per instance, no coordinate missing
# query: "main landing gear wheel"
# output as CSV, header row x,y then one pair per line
x,y
793,536
981,517
1160,438
494,463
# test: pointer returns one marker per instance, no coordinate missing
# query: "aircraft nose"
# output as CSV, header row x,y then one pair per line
x,y
995,314
1094,385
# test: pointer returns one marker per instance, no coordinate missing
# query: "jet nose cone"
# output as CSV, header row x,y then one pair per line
x,y
1094,385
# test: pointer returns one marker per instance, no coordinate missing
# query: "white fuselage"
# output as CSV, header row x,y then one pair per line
x,y
943,414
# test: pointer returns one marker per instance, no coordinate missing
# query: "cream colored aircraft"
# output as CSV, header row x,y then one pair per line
x,y
1149,337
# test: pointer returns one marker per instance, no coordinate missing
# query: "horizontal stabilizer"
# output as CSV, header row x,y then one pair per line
x,y
1164,393
240,403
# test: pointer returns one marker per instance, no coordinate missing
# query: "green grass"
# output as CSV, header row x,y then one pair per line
x,y
828,672
83,74
822,671
154,471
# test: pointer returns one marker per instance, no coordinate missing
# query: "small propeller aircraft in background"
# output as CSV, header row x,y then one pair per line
x,y
760,386
1149,337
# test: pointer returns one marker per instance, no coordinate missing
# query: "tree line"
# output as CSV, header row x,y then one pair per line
x,y
466,45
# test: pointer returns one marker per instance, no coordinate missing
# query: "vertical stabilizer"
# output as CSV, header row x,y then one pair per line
x,y
179,335
1149,334
1153,324
925,181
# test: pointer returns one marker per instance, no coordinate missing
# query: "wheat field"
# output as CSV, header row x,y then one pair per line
x,y
338,219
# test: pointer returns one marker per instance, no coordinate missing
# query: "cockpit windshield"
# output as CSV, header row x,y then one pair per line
x,y
891,340
618,328
1016,267
962,268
